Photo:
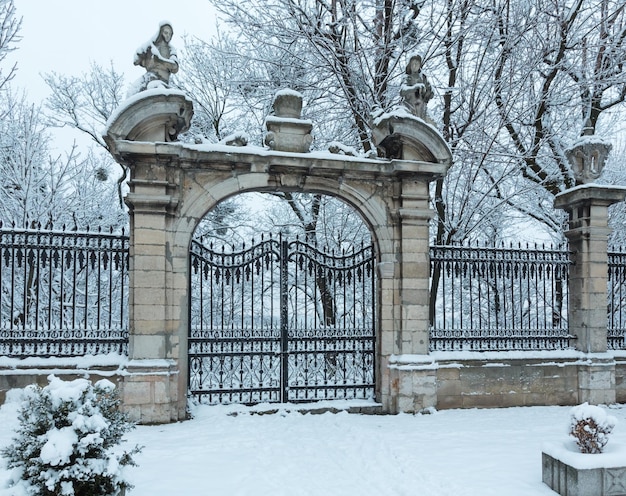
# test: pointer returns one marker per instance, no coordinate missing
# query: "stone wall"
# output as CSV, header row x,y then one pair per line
x,y
620,379
20,376
418,382
506,383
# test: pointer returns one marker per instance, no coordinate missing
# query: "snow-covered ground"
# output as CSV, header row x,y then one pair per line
x,y
236,451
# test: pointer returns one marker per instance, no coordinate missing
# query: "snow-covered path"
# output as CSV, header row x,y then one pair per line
x,y
454,452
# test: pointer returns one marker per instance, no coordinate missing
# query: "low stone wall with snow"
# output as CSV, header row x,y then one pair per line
x,y
440,380
620,379
494,380
19,373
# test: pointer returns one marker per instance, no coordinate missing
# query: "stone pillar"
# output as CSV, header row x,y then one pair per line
x,y
587,207
412,376
151,392
419,155
415,215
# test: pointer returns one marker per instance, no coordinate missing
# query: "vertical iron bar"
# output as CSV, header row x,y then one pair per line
x,y
470,272
37,278
284,342
99,283
2,281
74,283
211,296
110,253
12,309
222,283
231,317
86,308
461,276
374,320
242,278
25,281
620,280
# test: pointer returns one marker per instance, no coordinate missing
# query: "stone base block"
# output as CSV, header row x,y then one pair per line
x,y
596,381
150,392
413,385
577,474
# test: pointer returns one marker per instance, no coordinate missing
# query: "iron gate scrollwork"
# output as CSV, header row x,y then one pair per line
x,y
281,321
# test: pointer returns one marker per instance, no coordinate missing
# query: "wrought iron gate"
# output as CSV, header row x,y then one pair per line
x,y
281,321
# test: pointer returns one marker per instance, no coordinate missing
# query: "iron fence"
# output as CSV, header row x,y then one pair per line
x,y
616,328
65,293
499,298
62,293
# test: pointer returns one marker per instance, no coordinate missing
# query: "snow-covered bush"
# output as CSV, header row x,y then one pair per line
x,y
67,440
590,426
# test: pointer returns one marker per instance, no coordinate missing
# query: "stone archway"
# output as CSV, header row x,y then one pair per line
x,y
172,185
283,315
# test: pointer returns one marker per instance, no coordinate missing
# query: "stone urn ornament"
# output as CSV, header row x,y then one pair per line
x,y
286,130
587,157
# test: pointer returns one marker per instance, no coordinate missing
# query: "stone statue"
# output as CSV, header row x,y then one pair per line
x,y
159,59
416,91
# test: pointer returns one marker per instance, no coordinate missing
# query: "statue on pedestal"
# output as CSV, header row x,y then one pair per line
x,y
159,59
416,91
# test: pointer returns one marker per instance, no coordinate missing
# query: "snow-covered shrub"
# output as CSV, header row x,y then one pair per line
x,y
67,440
590,426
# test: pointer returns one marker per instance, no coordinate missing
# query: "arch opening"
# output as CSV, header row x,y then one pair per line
x,y
282,293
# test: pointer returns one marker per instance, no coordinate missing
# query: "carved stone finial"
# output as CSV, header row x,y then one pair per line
x,y
416,91
287,132
587,158
159,58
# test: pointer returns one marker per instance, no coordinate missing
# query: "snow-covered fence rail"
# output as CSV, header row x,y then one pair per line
x,y
499,298
617,299
63,293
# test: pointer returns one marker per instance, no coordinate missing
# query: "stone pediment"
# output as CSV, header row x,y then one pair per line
x,y
153,115
399,135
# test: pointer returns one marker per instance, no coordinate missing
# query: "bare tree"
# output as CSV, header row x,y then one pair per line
x,y
349,51
10,25
39,189
560,68
85,102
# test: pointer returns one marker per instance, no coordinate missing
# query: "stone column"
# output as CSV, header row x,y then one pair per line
x,y
412,375
587,207
419,155
151,392
415,215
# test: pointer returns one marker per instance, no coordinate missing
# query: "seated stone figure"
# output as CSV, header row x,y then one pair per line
x,y
416,91
159,59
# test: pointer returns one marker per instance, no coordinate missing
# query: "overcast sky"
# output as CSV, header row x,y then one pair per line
x,y
66,35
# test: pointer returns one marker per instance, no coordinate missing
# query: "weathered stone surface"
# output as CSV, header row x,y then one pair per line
x,y
287,132
568,480
160,65
587,157
152,115
500,382
587,206
150,391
